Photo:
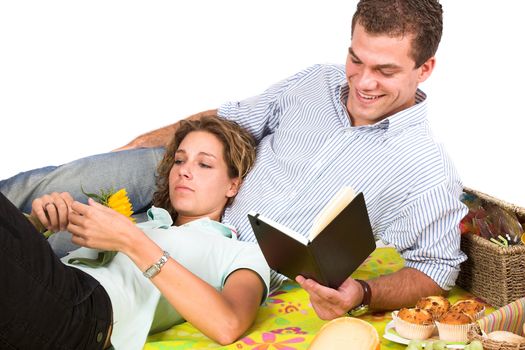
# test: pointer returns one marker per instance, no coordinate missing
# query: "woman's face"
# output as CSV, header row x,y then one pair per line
x,y
199,181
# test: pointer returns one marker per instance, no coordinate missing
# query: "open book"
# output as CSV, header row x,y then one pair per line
x,y
339,241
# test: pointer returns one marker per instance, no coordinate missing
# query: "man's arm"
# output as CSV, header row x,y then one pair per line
x,y
402,289
393,291
161,137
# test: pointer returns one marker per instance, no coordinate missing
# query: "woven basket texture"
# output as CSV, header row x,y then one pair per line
x,y
474,333
493,273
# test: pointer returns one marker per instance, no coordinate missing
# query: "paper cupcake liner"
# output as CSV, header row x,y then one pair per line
x,y
453,332
410,330
480,314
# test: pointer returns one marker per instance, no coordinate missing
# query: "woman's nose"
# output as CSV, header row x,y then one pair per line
x,y
185,171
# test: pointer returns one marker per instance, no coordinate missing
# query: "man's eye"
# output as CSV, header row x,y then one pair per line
x,y
387,73
354,61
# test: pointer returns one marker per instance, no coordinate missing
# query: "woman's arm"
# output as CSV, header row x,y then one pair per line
x,y
223,316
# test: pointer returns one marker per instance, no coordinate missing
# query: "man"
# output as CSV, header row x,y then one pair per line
x,y
326,127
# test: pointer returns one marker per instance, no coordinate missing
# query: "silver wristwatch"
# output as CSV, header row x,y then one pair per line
x,y
154,269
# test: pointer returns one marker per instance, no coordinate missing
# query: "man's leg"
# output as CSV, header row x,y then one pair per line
x,y
133,170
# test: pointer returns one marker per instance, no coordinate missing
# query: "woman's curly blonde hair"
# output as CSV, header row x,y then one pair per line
x,y
239,154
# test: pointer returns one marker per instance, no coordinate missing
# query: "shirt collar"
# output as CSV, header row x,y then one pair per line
x,y
212,226
396,122
159,218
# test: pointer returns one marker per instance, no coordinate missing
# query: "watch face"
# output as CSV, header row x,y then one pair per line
x,y
359,310
151,271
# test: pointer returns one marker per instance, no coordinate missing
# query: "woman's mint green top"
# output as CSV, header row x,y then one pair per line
x,y
207,248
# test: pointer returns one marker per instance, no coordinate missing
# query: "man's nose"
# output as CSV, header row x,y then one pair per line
x,y
366,80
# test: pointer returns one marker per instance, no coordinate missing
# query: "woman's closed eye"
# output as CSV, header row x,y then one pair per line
x,y
204,165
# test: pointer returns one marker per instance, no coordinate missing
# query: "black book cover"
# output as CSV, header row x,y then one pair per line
x,y
331,257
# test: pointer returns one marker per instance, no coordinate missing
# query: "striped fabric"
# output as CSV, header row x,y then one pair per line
x,y
307,150
510,317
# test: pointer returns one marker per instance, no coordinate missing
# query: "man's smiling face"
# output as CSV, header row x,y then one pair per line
x,y
381,75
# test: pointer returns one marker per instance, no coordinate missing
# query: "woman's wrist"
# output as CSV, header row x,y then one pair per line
x,y
133,241
142,250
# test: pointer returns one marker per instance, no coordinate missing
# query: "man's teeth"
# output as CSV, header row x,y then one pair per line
x,y
368,97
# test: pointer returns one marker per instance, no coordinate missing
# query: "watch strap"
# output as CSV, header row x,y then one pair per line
x,y
367,292
362,308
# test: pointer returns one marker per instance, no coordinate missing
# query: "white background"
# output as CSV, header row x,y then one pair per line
x,y
79,78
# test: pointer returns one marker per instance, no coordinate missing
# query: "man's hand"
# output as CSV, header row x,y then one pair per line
x,y
331,303
156,138
161,137
389,292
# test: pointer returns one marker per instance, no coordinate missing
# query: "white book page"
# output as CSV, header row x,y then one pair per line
x,y
282,228
338,202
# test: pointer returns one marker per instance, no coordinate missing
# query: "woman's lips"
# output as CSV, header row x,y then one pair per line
x,y
183,189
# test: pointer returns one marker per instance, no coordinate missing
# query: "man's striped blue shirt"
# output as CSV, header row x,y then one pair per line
x,y
308,149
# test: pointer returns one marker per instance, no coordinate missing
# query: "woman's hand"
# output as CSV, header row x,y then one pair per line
x,y
53,210
97,226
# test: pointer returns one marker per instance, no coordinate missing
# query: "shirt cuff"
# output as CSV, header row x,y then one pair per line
x,y
444,275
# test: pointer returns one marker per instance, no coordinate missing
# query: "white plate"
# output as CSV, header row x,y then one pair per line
x,y
392,335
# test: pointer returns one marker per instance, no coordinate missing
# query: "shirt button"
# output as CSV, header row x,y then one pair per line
x,y
100,335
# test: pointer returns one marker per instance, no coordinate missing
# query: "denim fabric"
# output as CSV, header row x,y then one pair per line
x,y
45,304
93,173
61,243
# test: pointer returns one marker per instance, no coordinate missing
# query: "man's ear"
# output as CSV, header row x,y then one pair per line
x,y
425,70
234,187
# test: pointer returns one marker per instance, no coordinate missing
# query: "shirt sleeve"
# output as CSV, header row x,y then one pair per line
x,y
260,114
427,235
249,256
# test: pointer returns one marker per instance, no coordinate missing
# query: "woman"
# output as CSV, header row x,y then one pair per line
x,y
162,275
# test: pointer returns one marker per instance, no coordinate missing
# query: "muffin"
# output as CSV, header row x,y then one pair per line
x,y
471,307
456,318
413,323
415,315
436,305
454,326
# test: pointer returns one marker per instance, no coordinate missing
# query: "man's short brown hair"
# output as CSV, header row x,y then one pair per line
x,y
421,18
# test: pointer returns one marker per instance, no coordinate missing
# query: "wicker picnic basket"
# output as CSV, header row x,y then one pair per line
x,y
474,333
510,317
493,273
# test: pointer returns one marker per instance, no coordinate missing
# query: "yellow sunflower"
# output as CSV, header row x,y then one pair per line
x,y
118,201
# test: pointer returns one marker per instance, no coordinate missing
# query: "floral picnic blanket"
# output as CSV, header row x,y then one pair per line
x,y
286,321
